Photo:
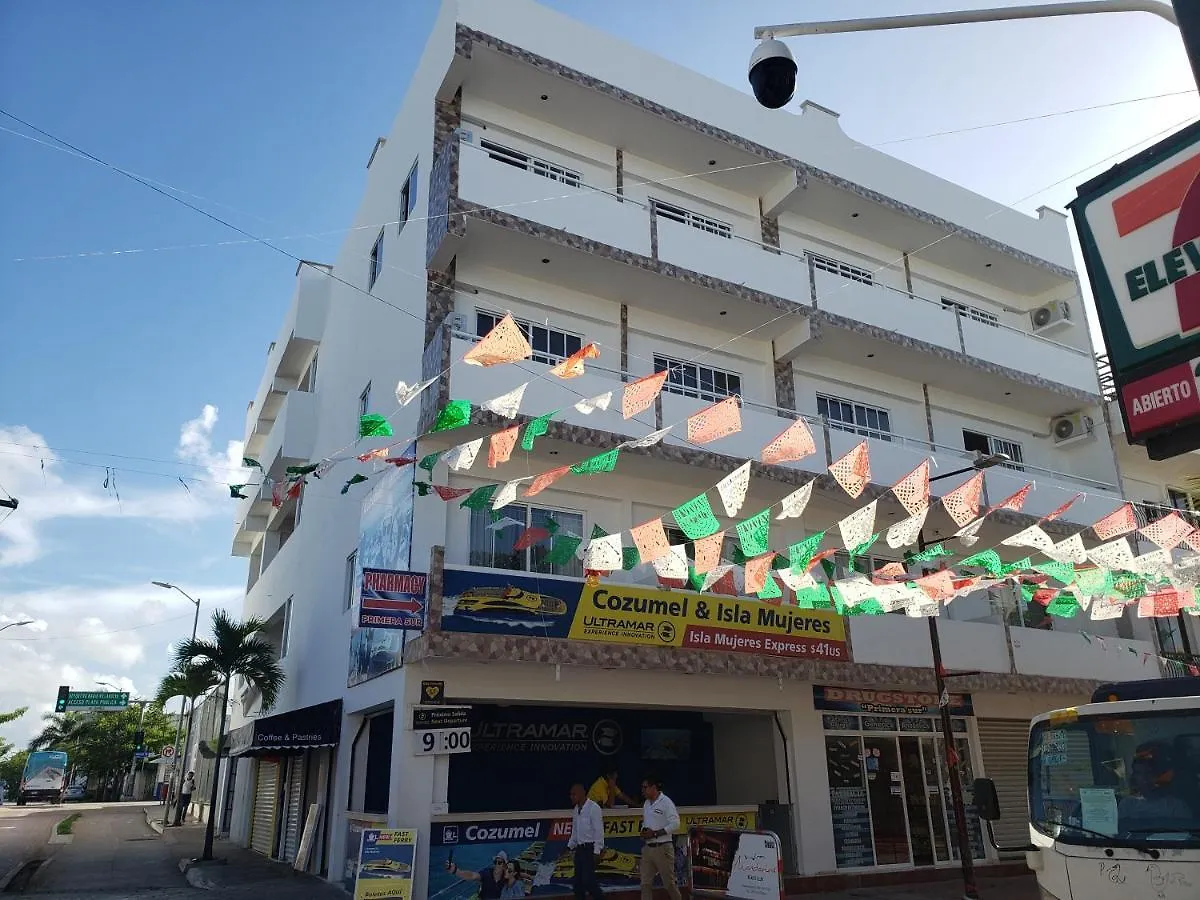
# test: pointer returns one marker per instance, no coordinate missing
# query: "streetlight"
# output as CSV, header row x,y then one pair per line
x,y
13,624
180,764
965,857
773,71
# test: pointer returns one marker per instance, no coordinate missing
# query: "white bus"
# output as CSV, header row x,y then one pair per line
x,y
1114,795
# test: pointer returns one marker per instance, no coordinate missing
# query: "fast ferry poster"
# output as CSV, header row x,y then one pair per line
x,y
385,864
503,603
539,848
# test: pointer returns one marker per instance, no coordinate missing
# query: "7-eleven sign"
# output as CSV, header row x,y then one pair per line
x,y
1139,228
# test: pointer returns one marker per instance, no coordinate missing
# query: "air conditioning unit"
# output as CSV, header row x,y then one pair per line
x,y
457,323
1071,428
1051,316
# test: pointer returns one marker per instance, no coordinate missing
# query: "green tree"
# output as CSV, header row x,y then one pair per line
x,y
101,743
236,648
12,768
6,717
189,684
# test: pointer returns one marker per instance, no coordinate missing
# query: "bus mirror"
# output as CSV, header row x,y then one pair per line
x,y
987,803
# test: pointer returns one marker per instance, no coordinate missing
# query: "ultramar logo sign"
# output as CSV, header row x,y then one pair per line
x,y
632,615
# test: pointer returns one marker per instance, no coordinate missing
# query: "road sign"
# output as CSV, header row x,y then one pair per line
x,y
1139,229
112,701
168,752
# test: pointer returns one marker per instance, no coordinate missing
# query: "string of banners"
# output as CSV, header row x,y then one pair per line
x,y
1101,580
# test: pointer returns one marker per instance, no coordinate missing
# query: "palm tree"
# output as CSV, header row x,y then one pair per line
x,y
188,683
60,730
235,649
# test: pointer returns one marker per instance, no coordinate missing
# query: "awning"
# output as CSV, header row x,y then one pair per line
x,y
299,729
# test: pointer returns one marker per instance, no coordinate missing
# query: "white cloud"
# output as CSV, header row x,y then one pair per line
x,y
116,634
50,489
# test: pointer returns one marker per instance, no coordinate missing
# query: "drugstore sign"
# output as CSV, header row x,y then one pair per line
x,y
1139,228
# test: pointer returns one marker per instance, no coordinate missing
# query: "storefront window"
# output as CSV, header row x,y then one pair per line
x,y
493,548
889,792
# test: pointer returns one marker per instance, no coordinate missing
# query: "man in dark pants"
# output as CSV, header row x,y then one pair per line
x,y
587,842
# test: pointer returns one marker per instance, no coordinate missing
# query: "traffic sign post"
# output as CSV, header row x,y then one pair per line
x,y
168,752
77,701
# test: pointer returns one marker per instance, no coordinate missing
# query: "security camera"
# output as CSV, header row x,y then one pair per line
x,y
772,73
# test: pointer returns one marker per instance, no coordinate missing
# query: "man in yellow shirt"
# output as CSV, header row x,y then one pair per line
x,y
605,792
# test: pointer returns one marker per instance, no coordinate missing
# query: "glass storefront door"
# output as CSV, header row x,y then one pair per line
x,y
889,793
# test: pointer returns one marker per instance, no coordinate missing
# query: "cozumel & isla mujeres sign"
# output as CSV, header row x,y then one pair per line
x,y
504,603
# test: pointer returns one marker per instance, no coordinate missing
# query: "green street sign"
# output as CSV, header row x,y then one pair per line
x,y
104,700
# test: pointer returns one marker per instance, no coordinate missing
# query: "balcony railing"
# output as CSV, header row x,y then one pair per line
x,y
618,221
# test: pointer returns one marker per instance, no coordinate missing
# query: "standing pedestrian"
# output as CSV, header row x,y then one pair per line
x,y
185,797
587,842
660,821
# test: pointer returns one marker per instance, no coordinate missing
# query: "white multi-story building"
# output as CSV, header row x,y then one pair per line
x,y
601,194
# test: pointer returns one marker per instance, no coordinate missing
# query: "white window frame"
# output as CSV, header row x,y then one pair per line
x,y
534,165
350,577
376,261
408,197
862,430
977,315
1012,449
838,267
685,216
570,340
286,637
574,568
677,368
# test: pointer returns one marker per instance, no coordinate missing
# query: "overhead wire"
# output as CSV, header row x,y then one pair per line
x,y
575,194
253,238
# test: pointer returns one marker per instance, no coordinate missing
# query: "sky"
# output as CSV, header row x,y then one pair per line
x,y
133,333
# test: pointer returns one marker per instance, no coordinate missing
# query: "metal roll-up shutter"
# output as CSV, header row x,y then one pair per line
x,y
1004,744
266,807
293,812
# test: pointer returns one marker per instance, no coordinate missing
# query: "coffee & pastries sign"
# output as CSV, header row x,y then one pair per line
x,y
627,614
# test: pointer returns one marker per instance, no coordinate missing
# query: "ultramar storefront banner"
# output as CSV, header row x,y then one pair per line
x,y
627,614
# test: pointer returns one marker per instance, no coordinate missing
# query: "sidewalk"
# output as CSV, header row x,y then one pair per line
x,y
243,872
1023,887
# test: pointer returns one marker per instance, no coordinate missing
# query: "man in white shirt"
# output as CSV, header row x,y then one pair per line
x,y
660,821
587,843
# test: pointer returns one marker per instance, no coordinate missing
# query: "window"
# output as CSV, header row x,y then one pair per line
x,y
519,160
408,197
376,261
308,381
493,547
351,578
287,628
971,312
837,267
987,445
702,382
1187,502
550,345
857,418
687,217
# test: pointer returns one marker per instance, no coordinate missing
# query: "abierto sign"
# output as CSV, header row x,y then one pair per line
x,y
1139,228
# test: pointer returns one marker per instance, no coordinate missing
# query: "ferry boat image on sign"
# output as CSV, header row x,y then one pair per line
x,y
509,601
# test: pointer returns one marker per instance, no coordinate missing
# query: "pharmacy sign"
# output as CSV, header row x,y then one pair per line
x,y
1139,228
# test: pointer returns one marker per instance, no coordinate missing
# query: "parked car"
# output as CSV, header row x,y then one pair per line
x,y
75,792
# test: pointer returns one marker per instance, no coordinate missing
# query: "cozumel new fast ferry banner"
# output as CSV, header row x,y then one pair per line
x,y
525,605
1139,228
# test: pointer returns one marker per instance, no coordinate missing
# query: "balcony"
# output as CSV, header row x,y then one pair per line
x,y
301,333
928,321
586,211
735,260
293,435
981,647
250,518
894,458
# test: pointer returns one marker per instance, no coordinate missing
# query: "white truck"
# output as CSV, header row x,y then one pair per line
x,y
1114,795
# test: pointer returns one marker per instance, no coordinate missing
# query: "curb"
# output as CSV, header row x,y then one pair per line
x,y
55,837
